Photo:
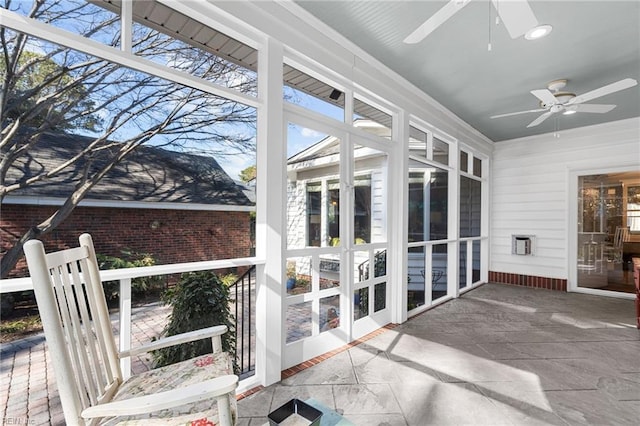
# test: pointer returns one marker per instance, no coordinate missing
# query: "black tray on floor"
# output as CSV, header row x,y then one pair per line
x,y
295,406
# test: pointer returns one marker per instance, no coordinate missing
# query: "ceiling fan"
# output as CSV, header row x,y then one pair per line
x,y
552,100
516,15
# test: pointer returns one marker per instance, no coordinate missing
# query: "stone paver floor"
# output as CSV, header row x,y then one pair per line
x,y
498,355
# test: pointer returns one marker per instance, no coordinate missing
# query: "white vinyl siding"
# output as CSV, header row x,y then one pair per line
x,y
531,191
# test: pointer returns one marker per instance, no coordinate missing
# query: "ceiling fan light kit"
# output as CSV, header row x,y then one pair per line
x,y
538,32
553,101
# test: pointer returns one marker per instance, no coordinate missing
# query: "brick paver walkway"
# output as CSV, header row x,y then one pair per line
x,y
28,392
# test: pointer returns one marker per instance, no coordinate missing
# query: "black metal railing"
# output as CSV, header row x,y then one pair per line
x,y
244,292
379,266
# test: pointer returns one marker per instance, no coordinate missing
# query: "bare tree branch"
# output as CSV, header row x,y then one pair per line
x,y
50,88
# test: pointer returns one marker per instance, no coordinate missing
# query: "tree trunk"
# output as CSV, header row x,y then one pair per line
x,y
14,254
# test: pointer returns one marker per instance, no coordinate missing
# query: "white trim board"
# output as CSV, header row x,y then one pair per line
x,y
53,201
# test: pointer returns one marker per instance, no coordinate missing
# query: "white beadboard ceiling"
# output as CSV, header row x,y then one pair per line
x,y
593,43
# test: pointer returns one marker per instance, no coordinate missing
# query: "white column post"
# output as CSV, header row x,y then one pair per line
x,y
270,218
485,219
453,221
397,218
346,231
124,332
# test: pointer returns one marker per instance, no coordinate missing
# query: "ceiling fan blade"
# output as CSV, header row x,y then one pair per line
x,y
509,114
438,18
516,15
605,90
540,119
596,108
545,96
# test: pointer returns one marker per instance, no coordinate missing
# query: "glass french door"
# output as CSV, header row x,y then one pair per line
x,y
608,233
335,283
428,250
370,292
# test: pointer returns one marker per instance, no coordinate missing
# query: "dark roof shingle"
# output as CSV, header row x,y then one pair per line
x,y
149,174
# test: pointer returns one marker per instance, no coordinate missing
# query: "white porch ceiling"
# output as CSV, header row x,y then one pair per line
x,y
593,43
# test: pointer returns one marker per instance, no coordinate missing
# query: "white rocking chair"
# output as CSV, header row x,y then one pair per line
x,y
86,362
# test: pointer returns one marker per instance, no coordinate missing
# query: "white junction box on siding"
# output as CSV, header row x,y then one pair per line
x,y
522,245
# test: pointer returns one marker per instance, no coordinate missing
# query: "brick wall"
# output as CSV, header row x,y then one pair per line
x,y
181,236
528,281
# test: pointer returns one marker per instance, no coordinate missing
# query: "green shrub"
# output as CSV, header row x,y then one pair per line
x,y
199,300
129,259
21,325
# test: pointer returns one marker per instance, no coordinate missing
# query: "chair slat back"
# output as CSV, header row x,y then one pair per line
x,y
76,323
622,235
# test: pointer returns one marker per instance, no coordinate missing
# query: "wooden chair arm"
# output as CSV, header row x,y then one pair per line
x,y
164,400
178,339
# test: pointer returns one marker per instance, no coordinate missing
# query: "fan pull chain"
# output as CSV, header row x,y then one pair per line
x,y
556,133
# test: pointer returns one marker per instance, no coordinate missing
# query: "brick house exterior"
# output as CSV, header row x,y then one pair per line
x,y
170,236
177,207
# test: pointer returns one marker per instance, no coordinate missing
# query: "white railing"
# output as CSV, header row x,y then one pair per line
x,y
124,276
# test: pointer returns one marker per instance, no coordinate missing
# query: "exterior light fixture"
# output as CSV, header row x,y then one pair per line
x,y
538,32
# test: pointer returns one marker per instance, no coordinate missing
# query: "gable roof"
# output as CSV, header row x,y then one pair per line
x,y
149,174
330,145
